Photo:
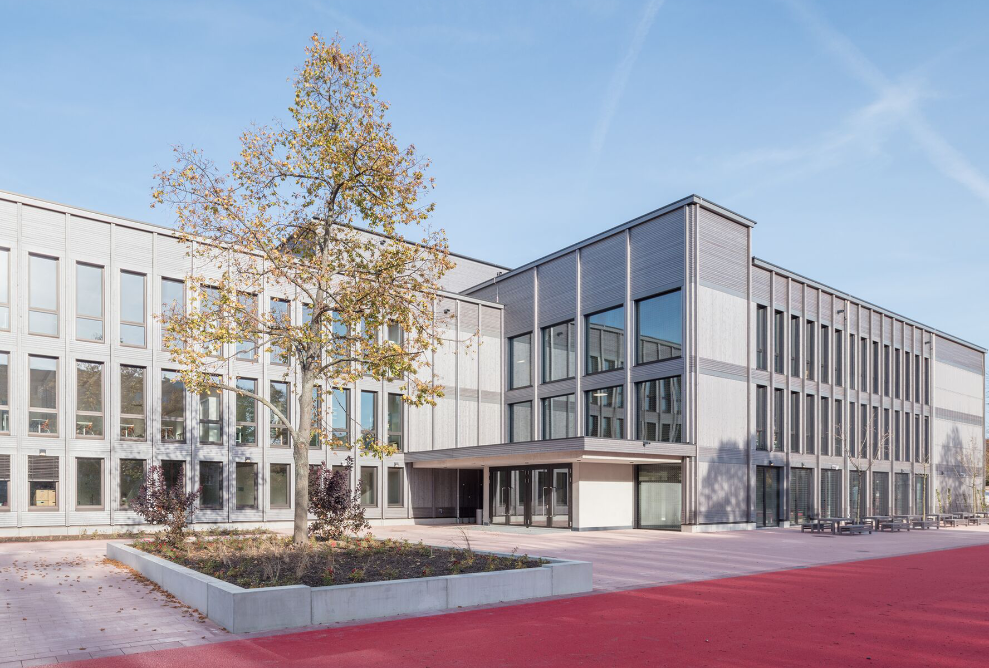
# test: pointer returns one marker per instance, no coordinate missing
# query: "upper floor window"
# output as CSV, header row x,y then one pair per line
x,y
247,349
916,378
839,341
278,394
247,413
778,415
886,370
605,340
282,316
658,328
89,399
559,352
42,295
761,414
864,364
658,412
132,311
896,374
340,418
4,393
89,302
316,424
520,422
809,423
43,396
825,353
172,299
211,415
605,410
559,417
851,361
396,412
761,337
927,381
5,289
825,420
133,420
795,346
172,407
794,422
875,367
839,428
779,336
520,357
369,417
809,357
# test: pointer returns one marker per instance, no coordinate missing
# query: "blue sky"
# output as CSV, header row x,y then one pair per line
x,y
854,133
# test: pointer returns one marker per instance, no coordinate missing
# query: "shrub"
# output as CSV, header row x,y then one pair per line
x,y
157,503
338,511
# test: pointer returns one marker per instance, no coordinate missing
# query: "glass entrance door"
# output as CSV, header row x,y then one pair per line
x,y
767,496
658,496
531,496
508,491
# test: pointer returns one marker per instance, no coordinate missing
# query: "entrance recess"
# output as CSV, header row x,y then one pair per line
x,y
531,496
658,496
767,496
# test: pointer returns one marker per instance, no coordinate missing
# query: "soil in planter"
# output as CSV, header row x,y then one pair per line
x,y
268,561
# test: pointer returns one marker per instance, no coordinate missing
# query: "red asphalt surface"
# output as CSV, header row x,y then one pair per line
x,y
927,609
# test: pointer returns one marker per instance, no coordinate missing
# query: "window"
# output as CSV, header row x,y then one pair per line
x,y
878,440
809,357
132,309
779,323
4,482
520,422
559,356
89,483
778,414
886,434
278,486
43,396
851,361
658,328
875,367
810,440
316,424
248,348
172,407
761,337
395,334
211,414
916,439
839,342
369,486
132,416
864,433
89,302
916,378
794,422
340,419
927,381
605,340
4,393
172,299
246,480
247,413
396,496
605,412
282,317
559,419
851,437
907,452
42,295
396,431
5,289
927,439
795,346
896,374
42,482
825,420
89,399
897,452
278,395
825,353
173,470
132,475
211,303
369,417
760,417
211,485
839,431
886,371
864,365
906,376
658,410
520,354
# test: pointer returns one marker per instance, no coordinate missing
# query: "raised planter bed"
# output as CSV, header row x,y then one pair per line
x,y
241,610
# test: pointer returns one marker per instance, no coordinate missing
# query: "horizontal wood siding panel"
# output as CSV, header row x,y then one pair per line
x,y
89,239
761,284
723,249
558,290
137,243
42,228
780,297
664,369
657,249
602,268
958,355
8,221
796,297
517,294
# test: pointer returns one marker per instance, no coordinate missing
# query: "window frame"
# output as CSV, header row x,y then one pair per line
x,y
545,334
637,326
400,434
161,407
239,424
288,485
545,405
274,424
209,463
144,403
795,349
511,421
587,342
346,442
618,412
101,414
102,317
512,342
58,296
57,410
276,350
181,306
121,499
675,383
375,408
761,417
779,342
374,487
6,473
102,474
5,393
56,483
5,298
207,422
144,309
762,337
389,486
238,465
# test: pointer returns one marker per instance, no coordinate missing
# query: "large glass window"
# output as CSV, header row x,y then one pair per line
x,y
396,431
42,295
897,448
795,346
760,417
559,352
839,342
520,422
173,470
906,376
89,399
605,410
875,367
340,418
520,355
42,481
559,417
89,483
896,373
761,337
809,439
369,417
132,474
278,486
886,370
779,337
247,349
4,482
927,381
916,378
658,327
839,428
132,311
278,394
172,407
211,485
851,361
658,412
825,353
778,415
809,356
825,419
5,289
172,298
864,364
89,302
282,317
794,422
246,480
369,486
4,393
396,494
132,405
605,340
43,396
247,413
211,415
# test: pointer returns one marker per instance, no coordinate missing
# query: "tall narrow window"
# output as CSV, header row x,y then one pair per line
x,y
927,439
916,378
5,289
42,482
839,343
825,353
396,431
887,435
89,399
778,414
559,417
795,346
907,448
794,422
246,479
864,364
247,413
278,486
605,340
89,483
851,361
369,486
42,317
248,348
825,420
761,337
658,410
864,433
4,482
132,475
810,438
369,417
520,357
316,426
878,440
520,422
839,429
172,300
211,485
896,374
173,471
886,371
340,419
132,311
851,437
760,418
89,302
875,367
927,381
917,443
43,396
4,393
396,494
282,317
809,357
211,304
658,328
172,407
278,394
897,452
906,376
559,356
779,323
211,415
132,404
605,410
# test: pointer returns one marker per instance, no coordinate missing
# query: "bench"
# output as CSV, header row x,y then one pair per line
x,y
924,524
816,525
978,520
854,528
949,521
893,526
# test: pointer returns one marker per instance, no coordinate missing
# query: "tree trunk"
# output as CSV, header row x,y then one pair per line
x,y
300,448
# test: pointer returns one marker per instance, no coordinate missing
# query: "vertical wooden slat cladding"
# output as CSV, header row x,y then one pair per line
x,y
602,267
780,292
723,252
761,285
517,294
558,289
657,248
958,355
8,220
43,228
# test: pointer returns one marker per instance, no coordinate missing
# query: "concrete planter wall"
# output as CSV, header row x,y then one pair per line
x,y
242,610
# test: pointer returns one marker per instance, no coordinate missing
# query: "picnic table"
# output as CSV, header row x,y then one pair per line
x,y
837,522
945,519
876,519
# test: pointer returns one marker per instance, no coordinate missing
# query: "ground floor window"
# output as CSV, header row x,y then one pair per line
x,y
801,495
767,496
369,486
211,484
173,470
89,483
920,494
246,479
880,493
278,486
132,473
396,496
4,482
42,480
658,496
856,495
531,495
901,493
830,493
